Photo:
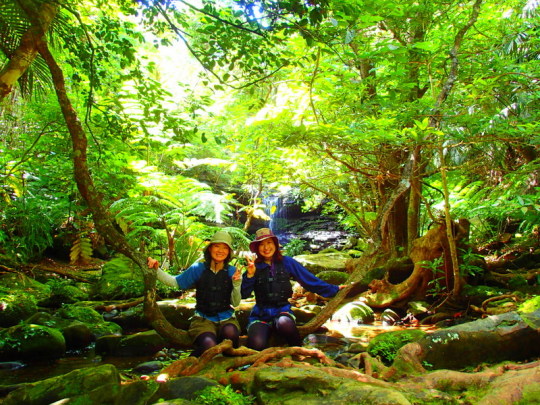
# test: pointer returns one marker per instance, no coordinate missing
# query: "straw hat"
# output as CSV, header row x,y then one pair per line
x,y
260,235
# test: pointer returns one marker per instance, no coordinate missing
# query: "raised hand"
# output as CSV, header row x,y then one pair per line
x,y
250,266
237,274
152,263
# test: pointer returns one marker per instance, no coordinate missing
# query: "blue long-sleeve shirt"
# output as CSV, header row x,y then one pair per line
x,y
188,278
298,273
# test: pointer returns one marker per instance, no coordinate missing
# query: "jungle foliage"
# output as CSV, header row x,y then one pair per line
x,y
193,113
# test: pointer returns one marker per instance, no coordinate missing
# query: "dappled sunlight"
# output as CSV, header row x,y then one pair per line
x,y
365,332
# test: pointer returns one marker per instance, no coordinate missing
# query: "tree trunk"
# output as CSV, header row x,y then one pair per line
x,y
27,51
100,215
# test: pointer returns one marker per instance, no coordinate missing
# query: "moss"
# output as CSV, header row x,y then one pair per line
x,y
386,345
333,277
80,313
16,307
530,305
531,395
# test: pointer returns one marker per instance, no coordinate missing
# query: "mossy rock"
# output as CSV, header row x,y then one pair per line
x,y
92,385
386,345
481,293
143,343
333,277
316,263
16,307
329,250
105,328
63,293
30,342
81,313
530,305
19,283
356,312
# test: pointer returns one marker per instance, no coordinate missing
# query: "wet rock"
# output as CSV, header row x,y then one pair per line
x,y
357,312
148,367
29,341
316,263
182,388
138,344
96,385
386,345
324,342
389,317
11,365
505,337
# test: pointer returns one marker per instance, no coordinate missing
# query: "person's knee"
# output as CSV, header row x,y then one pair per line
x,y
230,331
258,335
285,322
207,339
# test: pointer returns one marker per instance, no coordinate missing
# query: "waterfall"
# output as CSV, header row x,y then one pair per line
x,y
273,207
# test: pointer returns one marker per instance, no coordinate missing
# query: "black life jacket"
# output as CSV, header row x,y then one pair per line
x,y
213,292
272,290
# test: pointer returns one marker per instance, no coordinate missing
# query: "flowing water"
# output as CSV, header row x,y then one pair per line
x,y
40,370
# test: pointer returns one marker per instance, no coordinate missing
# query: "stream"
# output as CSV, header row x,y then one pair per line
x,y
346,332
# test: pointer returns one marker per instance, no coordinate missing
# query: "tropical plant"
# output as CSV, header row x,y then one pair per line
x,y
222,395
294,247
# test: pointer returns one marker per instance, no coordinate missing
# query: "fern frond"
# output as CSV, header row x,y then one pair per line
x,y
81,251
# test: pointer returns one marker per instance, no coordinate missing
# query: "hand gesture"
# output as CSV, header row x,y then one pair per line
x,y
250,266
237,274
152,263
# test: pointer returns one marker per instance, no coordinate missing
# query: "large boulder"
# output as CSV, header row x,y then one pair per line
x,y
31,342
183,388
292,386
316,263
356,312
138,344
506,337
16,307
19,298
93,385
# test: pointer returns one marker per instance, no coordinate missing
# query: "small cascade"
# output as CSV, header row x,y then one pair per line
x,y
288,221
278,209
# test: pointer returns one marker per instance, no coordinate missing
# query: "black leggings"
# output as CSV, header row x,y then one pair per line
x,y
259,332
206,340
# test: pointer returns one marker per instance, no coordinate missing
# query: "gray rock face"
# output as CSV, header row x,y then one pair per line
x,y
505,337
323,261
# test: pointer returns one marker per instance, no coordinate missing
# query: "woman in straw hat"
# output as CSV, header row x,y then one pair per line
x,y
217,287
269,277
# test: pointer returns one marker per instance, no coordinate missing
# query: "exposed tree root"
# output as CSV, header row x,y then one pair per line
x,y
242,356
121,305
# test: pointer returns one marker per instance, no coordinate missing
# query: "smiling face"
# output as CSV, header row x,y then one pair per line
x,y
267,248
219,252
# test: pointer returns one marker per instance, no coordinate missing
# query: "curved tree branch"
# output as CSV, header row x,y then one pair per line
x,y
101,216
26,53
